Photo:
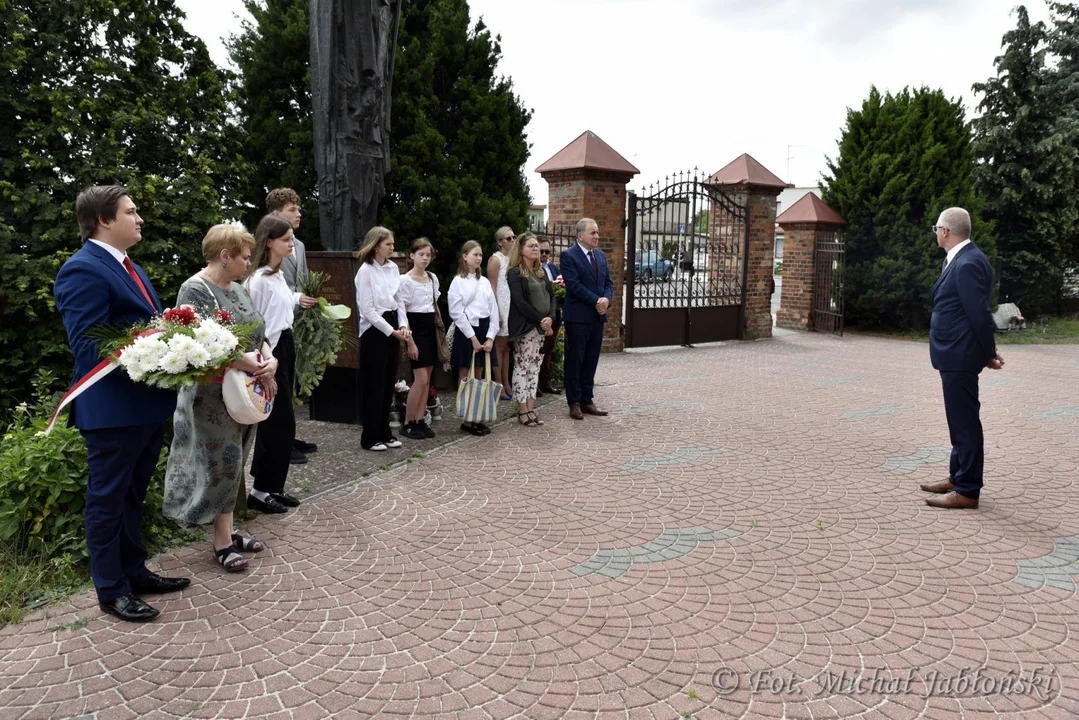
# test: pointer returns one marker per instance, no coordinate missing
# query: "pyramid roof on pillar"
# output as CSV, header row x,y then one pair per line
x,y
746,170
810,209
588,151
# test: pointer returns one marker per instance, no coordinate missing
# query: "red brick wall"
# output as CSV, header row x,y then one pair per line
x,y
576,194
761,208
796,300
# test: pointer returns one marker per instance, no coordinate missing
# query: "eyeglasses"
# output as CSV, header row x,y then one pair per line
x,y
940,227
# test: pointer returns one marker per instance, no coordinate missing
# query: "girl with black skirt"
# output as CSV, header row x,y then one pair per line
x,y
275,302
474,312
419,295
383,326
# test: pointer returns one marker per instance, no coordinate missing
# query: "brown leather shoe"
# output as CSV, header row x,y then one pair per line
x,y
953,501
575,411
944,486
593,410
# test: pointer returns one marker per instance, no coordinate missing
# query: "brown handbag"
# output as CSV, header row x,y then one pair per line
x,y
440,329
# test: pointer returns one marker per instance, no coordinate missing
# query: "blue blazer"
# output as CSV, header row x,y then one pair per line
x,y
961,328
582,289
94,290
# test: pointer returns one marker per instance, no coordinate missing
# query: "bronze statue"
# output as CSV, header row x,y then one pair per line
x,y
353,44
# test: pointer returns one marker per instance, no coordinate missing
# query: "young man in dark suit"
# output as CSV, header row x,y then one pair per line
x,y
552,273
961,343
122,422
589,290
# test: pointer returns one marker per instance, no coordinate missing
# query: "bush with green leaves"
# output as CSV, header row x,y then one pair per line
x,y
43,485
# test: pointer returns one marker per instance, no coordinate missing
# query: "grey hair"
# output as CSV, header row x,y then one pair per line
x,y
957,220
582,224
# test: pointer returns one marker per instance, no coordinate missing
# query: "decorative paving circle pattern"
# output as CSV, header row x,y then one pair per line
x,y
797,573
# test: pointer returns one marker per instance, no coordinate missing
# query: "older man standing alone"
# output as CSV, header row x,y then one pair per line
x,y
961,343
589,290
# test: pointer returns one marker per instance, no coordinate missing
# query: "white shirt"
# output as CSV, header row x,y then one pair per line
x,y
376,293
419,297
273,300
587,253
471,299
110,250
954,251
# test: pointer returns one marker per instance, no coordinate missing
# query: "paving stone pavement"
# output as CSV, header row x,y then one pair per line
x,y
775,559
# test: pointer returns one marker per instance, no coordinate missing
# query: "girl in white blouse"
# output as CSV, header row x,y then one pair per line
x,y
275,302
419,297
474,312
383,325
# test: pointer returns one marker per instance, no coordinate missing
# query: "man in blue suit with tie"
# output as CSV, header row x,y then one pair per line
x,y
961,343
122,422
589,290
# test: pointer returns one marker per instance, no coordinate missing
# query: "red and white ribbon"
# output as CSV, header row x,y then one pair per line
x,y
90,379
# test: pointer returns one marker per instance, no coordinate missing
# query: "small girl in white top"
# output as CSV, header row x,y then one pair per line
x,y
383,325
474,312
419,297
275,302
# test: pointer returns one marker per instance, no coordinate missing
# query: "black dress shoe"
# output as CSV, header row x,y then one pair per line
x,y
298,458
154,583
285,499
129,607
269,505
304,446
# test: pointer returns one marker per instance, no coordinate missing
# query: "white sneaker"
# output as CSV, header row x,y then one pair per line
x,y
380,447
392,443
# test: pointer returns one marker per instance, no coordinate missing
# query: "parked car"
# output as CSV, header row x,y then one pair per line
x,y
649,266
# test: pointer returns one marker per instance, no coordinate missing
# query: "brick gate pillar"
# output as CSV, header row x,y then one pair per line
x,y
753,186
802,223
588,178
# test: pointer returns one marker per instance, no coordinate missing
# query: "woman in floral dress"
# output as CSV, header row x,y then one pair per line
x,y
210,449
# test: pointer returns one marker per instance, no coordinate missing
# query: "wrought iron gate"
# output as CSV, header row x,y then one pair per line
x,y
828,283
685,275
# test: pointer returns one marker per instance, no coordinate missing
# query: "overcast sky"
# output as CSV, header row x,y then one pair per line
x,y
683,83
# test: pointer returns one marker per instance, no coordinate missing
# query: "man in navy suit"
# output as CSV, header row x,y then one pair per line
x,y
589,290
961,343
122,422
552,272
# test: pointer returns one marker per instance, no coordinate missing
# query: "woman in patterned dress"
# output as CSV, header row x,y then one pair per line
x,y
209,449
531,320
497,267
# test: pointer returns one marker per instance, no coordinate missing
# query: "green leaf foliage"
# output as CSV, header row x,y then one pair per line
x,y
98,92
1026,160
458,144
273,91
902,159
457,133
319,338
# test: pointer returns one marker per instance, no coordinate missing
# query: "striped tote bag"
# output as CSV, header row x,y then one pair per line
x,y
477,400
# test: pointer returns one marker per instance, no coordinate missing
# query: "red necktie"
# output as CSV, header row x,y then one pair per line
x,y
135,276
595,265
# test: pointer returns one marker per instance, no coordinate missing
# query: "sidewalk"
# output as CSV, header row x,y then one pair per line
x,y
742,537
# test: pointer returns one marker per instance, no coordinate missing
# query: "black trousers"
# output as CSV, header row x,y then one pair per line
x,y
379,355
962,407
584,341
121,462
275,435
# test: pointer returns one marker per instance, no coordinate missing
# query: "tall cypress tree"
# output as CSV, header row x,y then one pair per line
x,y
272,54
902,159
1024,162
95,92
457,140
1064,47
